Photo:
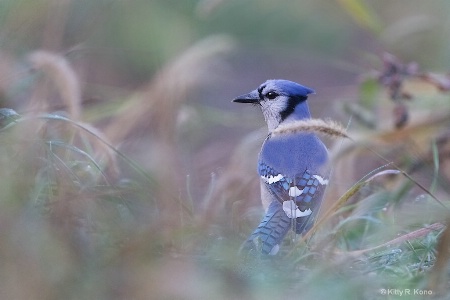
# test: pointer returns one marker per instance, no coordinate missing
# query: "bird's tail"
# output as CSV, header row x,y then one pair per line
x,y
270,232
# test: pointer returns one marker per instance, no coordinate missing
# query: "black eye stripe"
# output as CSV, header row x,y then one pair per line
x,y
291,104
260,90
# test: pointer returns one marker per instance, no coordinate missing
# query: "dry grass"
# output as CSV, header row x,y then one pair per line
x,y
84,217
78,227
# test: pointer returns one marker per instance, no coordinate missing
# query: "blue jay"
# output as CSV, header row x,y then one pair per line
x,y
292,167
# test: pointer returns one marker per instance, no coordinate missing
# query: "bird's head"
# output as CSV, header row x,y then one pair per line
x,y
281,101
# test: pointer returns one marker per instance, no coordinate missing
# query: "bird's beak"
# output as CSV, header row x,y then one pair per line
x,y
252,97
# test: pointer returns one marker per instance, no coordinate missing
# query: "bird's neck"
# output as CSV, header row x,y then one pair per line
x,y
300,112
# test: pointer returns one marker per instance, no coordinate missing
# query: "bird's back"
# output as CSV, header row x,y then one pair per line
x,y
293,173
293,154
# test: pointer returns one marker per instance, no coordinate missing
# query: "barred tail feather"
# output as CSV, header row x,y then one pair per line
x,y
270,232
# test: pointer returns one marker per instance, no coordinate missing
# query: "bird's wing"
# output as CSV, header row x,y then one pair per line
x,y
300,197
294,203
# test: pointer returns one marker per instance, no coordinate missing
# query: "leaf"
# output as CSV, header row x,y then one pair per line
x,y
368,92
361,14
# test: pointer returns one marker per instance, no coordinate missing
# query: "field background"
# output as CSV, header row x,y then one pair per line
x,y
127,173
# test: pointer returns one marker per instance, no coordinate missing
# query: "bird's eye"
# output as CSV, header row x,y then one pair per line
x,y
271,95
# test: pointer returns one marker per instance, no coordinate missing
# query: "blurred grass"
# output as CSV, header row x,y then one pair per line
x,y
146,186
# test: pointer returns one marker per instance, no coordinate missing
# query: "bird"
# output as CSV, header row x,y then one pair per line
x,y
292,167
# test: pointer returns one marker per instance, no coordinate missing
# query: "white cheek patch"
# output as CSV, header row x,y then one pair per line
x,y
321,180
272,179
295,191
292,211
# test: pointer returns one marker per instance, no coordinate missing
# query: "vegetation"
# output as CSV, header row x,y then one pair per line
x,y
126,173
